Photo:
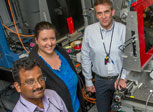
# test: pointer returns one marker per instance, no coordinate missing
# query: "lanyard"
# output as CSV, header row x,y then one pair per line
x,y
107,53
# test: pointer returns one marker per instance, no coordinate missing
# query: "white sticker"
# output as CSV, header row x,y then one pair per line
x,y
110,68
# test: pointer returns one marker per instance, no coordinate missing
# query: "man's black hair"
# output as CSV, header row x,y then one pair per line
x,y
23,63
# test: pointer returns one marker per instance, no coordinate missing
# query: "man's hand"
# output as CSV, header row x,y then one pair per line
x,y
121,84
91,89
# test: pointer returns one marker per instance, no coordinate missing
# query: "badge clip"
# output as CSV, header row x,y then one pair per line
x,y
106,60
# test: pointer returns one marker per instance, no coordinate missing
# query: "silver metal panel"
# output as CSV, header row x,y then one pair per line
x,y
84,12
130,61
44,14
88,3
145,84
30,13
33,11
136,107
149,67
88,12
117,5
141,93
4,12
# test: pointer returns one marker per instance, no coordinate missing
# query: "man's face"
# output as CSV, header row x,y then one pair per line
x,y
46,41
104,14
32,83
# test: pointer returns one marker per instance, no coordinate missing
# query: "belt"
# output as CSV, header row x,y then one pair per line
x,y
107,78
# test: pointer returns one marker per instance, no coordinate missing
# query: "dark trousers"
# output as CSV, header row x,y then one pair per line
x,y
104,93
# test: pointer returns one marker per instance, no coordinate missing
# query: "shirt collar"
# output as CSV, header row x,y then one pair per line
x,y
46,102
103,29
32,107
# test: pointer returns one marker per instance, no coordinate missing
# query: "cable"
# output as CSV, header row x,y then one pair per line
x,y
151,92
88,99
124,46
15,32
16,28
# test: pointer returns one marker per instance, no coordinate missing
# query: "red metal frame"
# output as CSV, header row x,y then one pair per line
x,y
139,6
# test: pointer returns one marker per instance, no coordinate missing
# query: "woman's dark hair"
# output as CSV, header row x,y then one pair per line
x,y
43,26
98,2
23,63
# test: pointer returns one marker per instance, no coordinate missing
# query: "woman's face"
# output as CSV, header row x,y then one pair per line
x,y
46,41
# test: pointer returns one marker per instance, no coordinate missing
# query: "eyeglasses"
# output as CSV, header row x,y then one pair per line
x,y
32,82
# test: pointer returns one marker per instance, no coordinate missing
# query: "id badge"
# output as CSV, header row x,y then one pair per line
x,y
110,68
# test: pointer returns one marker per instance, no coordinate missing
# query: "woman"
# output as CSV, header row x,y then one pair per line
x,y
57,67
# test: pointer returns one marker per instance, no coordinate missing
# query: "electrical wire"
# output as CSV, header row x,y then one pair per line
x,y
122,47
83,91
148,101
88,99
15,32
16,28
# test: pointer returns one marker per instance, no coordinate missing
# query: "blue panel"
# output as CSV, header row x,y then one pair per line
x,y
7,57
